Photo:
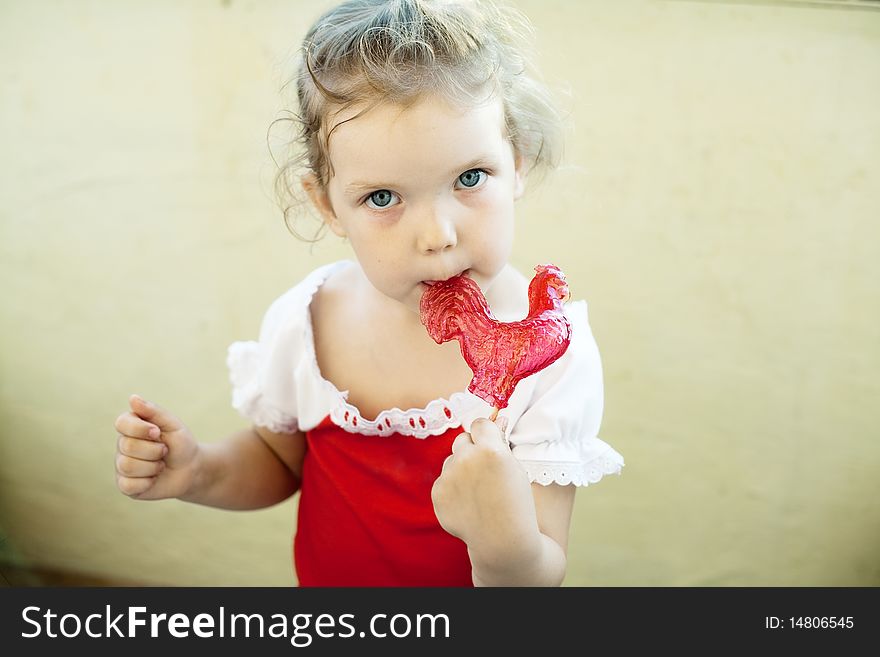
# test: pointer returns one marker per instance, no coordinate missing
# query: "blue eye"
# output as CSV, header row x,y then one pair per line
x,y
381,199
472,178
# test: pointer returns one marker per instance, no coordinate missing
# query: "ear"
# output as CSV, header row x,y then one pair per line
x,y
319,197
520,173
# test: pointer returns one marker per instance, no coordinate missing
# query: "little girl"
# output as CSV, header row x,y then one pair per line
x,y
418,121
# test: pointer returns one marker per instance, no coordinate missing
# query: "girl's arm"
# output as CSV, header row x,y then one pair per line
x,y
540,559
251,469
157,457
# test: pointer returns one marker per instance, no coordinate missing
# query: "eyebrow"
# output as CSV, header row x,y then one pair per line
x,y
481,162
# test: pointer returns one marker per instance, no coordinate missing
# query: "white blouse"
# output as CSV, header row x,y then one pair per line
x,y
553,416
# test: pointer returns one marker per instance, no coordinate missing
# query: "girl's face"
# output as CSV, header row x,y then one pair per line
x,y
423,193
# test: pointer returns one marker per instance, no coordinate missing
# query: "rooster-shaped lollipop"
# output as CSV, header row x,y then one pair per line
x,y
500,353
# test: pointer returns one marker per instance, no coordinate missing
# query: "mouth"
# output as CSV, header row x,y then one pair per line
x,y
466,273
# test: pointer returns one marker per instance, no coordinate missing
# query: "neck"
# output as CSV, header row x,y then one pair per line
x,y
387,313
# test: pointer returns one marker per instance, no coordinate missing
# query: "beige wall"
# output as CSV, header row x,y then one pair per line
x,y
719,211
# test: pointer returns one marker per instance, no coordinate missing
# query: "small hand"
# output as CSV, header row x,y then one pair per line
x,y
155,452
483,495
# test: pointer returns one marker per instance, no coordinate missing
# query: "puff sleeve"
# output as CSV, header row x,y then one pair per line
x,y
556,436
262,372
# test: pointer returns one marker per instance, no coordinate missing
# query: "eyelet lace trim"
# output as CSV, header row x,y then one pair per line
x,y
436,418
579,474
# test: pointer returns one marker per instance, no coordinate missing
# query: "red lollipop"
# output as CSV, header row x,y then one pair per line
x,y
500,354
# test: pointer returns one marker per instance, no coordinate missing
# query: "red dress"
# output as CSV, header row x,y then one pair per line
x,y
365,512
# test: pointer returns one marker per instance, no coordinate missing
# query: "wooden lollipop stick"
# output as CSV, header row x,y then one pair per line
x,y
493,417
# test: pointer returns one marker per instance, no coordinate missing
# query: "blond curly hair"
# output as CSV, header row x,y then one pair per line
x,y
367,52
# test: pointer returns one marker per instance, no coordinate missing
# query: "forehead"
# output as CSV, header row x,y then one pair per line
x,y
391,140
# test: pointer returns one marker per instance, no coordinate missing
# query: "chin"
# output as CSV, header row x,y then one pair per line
x,y
411,301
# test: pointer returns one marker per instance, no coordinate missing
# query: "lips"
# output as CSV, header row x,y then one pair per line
x,y
465,273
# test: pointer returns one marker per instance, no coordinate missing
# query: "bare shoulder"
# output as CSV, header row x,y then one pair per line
x,y
327,304
329,300
335,285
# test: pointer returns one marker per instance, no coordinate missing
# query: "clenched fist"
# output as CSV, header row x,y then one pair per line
x,y
483,495
156,455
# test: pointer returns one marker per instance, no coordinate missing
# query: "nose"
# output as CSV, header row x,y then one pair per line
x,y
436,230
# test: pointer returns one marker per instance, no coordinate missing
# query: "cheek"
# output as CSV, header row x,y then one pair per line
x,y
498,210
380,265
495,203
494,238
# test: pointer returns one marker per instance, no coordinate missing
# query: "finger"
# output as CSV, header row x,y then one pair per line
x,y
446,463
502,423
149,411
130,424
486,434
131,467
146,450
134,486
462,441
